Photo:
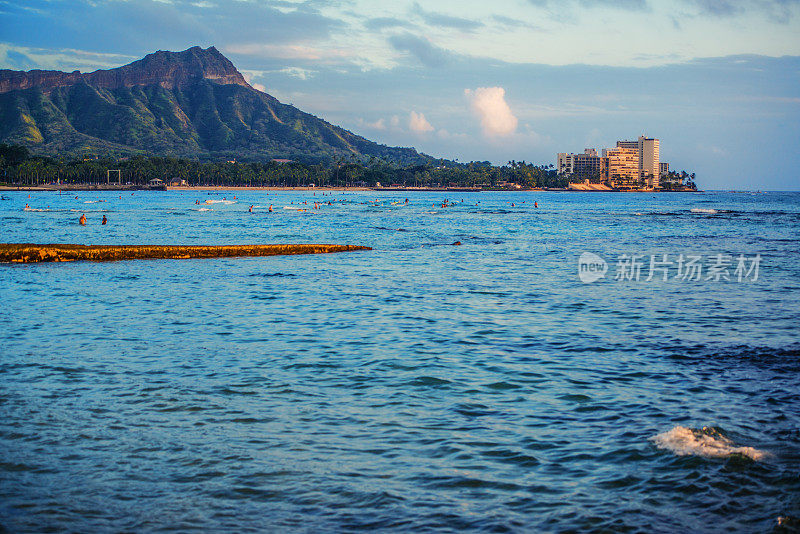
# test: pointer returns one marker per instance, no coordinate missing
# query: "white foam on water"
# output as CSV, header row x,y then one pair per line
x,y
705,442
205,209
220,202
703,210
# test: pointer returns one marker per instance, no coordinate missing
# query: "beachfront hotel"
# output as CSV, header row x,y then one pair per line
x,y
629,165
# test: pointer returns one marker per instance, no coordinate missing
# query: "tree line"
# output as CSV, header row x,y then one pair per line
x,y
19,167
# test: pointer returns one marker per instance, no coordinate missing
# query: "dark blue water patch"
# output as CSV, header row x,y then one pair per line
x,y
784,360
273,275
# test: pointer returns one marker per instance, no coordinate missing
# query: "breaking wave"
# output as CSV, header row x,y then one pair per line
x,y
707,442
703,210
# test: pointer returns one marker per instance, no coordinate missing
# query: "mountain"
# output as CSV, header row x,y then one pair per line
x,y
191,104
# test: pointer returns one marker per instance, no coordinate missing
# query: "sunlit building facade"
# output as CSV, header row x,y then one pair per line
x,y
622,167
649,161
630,165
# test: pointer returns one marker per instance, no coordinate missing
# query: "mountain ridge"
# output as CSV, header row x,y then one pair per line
x,y
193,103
167,69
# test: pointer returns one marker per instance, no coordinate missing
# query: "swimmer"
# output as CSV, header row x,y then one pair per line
x,y
270,208
251,208
82,220
105,221
27,207
535,204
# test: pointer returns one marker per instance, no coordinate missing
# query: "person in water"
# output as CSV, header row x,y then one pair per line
x,y
105,221
82,220
535,204
270,208
251,209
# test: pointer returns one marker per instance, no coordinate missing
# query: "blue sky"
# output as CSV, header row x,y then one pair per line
x,y
718,81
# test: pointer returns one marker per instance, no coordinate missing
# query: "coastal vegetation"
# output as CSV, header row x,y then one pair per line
x,y
19,167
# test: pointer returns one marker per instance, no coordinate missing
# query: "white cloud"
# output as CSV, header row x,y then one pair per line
x,y
489,104
379,124
290,51
67,59
298,72
713,149
418,123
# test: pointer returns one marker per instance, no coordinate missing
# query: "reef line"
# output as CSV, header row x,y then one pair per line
x,y
31,252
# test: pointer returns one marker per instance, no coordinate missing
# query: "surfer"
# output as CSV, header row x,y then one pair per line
x,y
105,221
82,220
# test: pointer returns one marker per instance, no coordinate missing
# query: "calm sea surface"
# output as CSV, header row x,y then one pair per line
x,y
416,387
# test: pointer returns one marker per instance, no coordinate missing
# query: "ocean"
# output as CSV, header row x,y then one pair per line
x,y
620,362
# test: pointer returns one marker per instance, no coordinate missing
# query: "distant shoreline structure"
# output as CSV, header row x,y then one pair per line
x,y
116,187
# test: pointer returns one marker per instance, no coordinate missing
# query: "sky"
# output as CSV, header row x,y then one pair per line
x,y
717,81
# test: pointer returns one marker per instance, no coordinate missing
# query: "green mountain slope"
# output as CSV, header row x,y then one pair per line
x,y
190,104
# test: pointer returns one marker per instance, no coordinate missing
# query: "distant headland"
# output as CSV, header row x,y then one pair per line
x,y
191,119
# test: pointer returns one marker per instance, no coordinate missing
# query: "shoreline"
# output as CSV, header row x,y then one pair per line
x,y
114,187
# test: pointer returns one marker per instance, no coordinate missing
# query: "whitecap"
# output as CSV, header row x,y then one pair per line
x,y
703,210
706,442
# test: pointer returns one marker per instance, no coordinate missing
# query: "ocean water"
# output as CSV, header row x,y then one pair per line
x,y
419,386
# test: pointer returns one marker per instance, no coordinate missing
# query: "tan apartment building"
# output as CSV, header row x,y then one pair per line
x,y
622,167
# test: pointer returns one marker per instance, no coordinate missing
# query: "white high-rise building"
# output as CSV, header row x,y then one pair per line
x,y
649,161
